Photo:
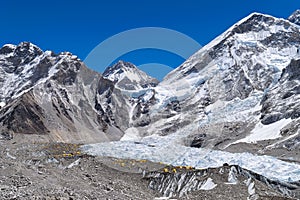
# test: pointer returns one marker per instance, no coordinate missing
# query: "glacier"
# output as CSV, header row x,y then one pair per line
x,y
170,150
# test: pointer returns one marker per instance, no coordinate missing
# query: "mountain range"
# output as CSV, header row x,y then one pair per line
x,y
237,94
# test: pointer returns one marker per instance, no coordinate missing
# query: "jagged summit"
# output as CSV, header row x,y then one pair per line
x,y
295,17
128,76
118,68
24,46
7,48
255,22
25,65
23,53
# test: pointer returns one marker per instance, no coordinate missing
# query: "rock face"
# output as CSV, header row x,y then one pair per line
x,y
282,102
285,94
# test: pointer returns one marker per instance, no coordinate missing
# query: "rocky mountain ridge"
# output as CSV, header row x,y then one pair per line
x,y
221,87
44,93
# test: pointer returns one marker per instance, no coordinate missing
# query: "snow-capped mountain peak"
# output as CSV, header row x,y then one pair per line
x,y
56,95
295,17
27,49
26,65
256,33
249,32
127,76
7,48
118,70
226,80
23,53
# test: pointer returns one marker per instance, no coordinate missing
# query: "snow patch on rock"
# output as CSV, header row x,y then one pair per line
x,y
265,132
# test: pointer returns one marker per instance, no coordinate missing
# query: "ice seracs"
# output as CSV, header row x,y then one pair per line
x,y
208,185
2,104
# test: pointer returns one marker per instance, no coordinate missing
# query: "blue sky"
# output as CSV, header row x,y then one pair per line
x,y
78,26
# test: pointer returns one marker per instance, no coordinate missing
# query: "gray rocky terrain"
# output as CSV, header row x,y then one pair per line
x,y
61,171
